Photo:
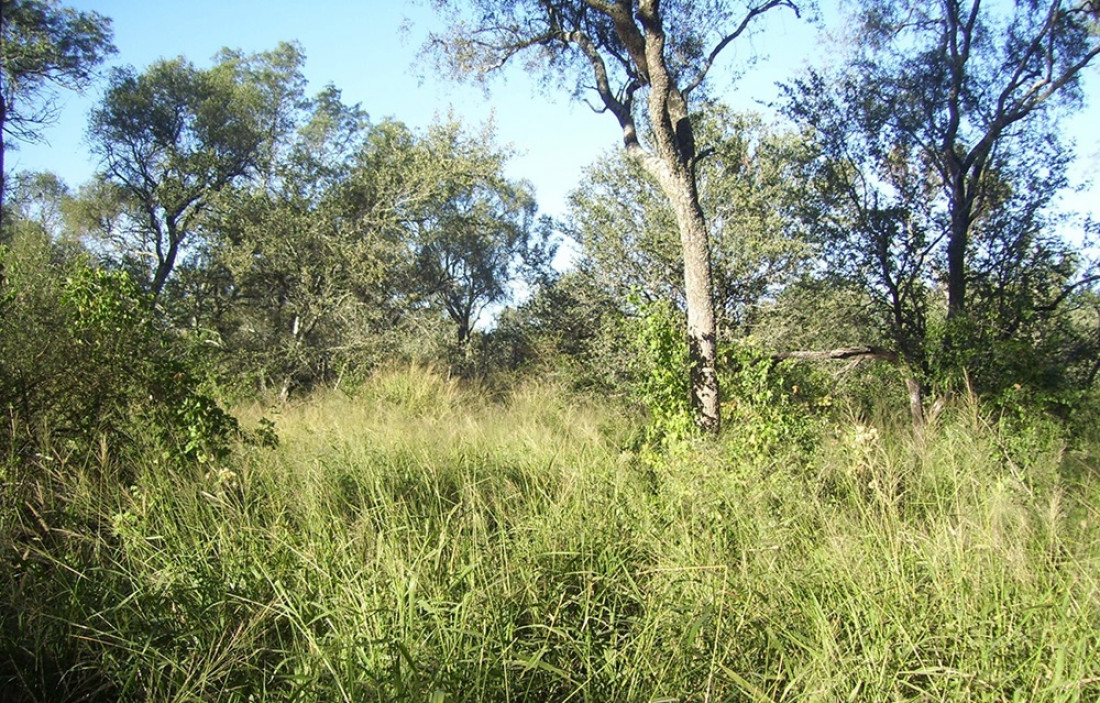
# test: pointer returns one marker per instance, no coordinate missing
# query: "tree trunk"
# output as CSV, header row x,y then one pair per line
x,y
674,167
672,163
701,327
916,402
463,331
160,277
167,262
956,256
3,179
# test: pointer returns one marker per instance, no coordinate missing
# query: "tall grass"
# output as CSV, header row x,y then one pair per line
x,y
417,540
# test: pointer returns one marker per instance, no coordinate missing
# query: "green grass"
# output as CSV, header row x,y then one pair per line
x,y
418,540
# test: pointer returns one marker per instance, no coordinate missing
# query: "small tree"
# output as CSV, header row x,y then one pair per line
x,y
478,231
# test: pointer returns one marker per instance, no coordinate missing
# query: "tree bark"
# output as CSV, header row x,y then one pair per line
x,y
164,268
699,297
674,168
175,230
852,353
3,178
956,249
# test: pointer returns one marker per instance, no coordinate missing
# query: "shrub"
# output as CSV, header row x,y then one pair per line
x,y
85,363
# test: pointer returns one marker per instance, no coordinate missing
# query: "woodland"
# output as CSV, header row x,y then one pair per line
x,y
300,405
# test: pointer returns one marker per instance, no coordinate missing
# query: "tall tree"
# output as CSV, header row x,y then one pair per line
x,y
940,161
957,85
642,59
358,230
43,47
175,136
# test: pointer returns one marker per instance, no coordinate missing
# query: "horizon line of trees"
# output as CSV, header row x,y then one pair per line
x,y
908,207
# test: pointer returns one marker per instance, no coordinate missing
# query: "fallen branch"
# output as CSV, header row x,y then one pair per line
x,y
858,354
851,353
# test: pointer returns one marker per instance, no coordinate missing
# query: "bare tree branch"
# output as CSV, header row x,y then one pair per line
x,y
752,14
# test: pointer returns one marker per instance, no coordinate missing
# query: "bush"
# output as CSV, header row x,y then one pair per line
x,y
770,409
86,366
660,368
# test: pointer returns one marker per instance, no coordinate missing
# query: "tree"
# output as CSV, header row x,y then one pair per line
x,y
621,51
478,231
175,136
286,275
939,163
357,230
748,188
40,199
43,47
569,325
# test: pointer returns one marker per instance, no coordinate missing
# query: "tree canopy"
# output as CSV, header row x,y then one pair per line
x,y
44,47
174,136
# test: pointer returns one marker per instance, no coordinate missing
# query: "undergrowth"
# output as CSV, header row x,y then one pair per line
x,y
418,540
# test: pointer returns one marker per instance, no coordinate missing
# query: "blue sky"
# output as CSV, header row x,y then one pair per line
x,y
368,49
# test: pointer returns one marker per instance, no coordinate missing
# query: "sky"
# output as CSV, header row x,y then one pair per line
x,y
369,50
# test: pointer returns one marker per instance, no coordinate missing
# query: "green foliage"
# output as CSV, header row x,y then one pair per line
x,y
85,364
628,237
773,410
364,245
173,137
1042,360
571,328
659,366
45,46
476,232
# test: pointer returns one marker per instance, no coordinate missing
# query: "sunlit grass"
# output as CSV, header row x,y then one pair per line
x,y
419,539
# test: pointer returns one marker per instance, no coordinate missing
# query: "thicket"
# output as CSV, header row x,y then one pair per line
x,y
89,368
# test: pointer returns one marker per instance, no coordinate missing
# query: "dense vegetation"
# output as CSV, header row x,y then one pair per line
x,y
279,425
419,538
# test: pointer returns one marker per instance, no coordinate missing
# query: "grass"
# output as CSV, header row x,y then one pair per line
x,y
418,540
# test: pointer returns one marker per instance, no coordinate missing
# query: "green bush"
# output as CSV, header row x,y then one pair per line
x,y
660,367
770,409
85,364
